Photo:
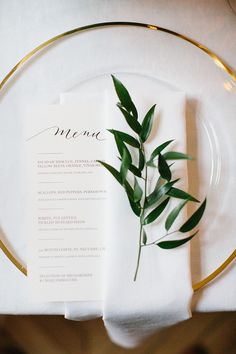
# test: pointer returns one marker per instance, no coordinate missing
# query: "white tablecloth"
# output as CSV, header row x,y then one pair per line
x,y
23,25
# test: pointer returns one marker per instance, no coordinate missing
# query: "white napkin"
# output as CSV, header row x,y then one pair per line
x,y
162,293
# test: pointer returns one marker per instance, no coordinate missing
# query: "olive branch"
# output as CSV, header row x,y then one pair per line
x,y
149,207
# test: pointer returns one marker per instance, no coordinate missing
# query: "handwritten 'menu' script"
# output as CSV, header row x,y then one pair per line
x,y
69,134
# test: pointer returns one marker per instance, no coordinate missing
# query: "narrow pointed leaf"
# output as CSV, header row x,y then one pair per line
x,y
163,168
174,214
119,144
178,193
130,194
135,171
156,212
135,207
129,190
112,170
175,243
125,163
144,237
134,111
124,97
147,124
121,147
158,184
132,122
194,219
141,162
159,149
171,164
159,192
174,155
138,192
125,138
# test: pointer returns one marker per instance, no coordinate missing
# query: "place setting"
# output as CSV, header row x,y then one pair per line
x,y
118,186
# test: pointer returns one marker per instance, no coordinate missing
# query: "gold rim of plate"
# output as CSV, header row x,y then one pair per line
x,y
214,57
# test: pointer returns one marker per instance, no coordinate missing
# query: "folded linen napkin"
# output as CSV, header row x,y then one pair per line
x,y
162,292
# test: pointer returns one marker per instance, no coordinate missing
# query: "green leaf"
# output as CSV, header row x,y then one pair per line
x,y
175,243
124,97
121,147
132,122
119,144
125,138
159,192
174,155
178,193
141,162
174,214
129,190
138,192
170,165
159,149
125,163
135,207
135,171
156,212
194,219
147,124
144,237
112,170
163,168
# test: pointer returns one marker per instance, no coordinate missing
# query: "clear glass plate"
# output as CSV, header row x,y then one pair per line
x,y
158,62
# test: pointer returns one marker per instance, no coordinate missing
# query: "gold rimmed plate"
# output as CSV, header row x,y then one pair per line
x,y
157,54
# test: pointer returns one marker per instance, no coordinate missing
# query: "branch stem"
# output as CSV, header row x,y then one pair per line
x,y
141,217
139,251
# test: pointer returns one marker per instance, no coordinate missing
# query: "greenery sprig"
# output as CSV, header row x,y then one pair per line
x,y
134,178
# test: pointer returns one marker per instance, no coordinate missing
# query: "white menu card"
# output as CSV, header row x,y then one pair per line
x,y
66,198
